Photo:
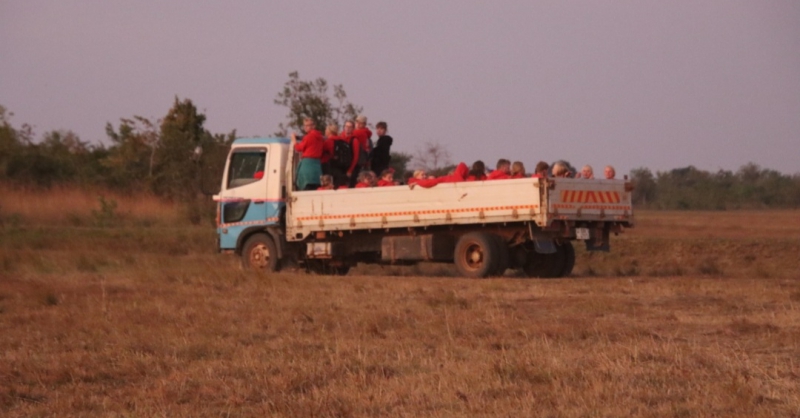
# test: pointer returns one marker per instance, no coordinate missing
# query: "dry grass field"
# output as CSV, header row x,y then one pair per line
x,y
113,307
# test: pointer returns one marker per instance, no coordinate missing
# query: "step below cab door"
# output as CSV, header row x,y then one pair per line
x,y
245,200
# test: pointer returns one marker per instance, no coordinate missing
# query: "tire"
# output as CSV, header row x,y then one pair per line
x,y
503,256
540,265
260,254
568,259
548,266
475,255
517,257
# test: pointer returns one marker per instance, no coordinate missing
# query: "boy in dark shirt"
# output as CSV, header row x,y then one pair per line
x,y
381,153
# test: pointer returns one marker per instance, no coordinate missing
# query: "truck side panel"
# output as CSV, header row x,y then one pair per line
x,y
401,206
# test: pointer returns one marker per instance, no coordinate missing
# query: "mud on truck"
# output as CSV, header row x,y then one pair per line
x,y
483,227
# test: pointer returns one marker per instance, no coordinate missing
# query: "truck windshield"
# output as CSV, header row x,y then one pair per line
x,y
247,166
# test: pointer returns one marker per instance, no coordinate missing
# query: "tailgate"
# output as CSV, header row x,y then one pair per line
x,y
580,199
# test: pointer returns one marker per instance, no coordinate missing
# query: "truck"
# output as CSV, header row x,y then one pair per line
x,y
483,227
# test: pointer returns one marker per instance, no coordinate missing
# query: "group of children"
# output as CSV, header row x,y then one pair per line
x,y
366,178
505,170
347,159
337,159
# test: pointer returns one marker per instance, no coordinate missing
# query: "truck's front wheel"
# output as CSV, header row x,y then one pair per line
x,y
260,254
476,255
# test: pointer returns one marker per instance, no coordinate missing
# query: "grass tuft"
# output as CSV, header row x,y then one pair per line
x,y
50,299
709,267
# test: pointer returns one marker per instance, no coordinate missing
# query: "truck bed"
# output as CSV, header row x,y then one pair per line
x,y
518,200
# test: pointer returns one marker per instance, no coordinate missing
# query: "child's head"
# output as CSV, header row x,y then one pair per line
x,y
387,174
587,172
326,181
420,174
367,177
332,129
381,128
478,168
560,170
504,165
518,168
541,168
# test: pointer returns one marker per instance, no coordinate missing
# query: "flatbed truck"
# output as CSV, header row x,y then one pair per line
x,y
483,227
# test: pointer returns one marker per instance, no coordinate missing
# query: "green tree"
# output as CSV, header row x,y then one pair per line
x,y
175,170
399,162
644,182
13,144
310,99
9,144
65,158
130,161
212,161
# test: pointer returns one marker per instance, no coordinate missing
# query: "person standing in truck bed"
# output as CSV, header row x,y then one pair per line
x,y
331,134
364,136
348,135
309,169
381,154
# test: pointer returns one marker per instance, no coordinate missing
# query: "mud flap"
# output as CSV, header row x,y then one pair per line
x,y
599,241
544,246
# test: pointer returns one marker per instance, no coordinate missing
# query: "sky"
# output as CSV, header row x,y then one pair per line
x,y
656,84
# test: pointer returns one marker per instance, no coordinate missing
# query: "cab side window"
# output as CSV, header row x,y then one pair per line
x,y
246,166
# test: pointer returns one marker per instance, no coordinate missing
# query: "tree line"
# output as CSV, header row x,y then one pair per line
x,y
177,158
750,187
160,156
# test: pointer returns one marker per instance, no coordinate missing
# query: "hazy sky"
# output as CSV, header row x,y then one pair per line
x,y
661,84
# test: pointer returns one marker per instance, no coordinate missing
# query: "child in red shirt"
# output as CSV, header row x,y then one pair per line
x,y
478,171
418,175
366,179
502,172
387,178
518,170
460,174
541,170
326,182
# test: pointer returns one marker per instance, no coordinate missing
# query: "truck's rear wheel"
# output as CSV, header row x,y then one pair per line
x,y
547,266
568,261
503,256
260,254
476,255
540,265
